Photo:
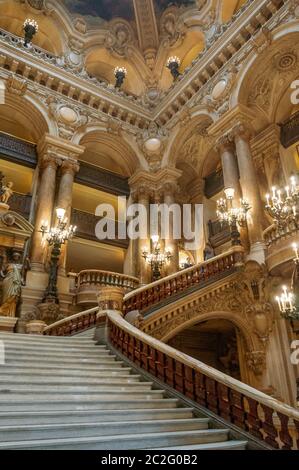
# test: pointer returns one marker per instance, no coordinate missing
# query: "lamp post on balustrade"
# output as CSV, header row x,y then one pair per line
x,y
30,29
157,258
234,216
56,237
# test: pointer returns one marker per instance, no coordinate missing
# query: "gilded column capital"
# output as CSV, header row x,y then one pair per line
x,y
70,166
225,143
242,129
49,160
58,149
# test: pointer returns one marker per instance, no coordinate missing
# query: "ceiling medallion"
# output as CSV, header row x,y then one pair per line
x,y
286,61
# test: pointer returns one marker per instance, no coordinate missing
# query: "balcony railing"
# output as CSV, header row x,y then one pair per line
x,y
219,233
214,183
274,233
21,203
88,283
170,288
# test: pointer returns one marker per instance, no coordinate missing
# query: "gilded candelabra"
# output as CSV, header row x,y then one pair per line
x,y
233,216
56,237
288,301
156,259
282,204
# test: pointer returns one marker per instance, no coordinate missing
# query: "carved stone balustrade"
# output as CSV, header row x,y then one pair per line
x,y
279,240
152,297
89,282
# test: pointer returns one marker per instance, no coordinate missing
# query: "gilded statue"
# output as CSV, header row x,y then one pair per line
x,y
6,192
11,286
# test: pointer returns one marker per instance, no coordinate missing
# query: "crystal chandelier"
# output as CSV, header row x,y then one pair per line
x,y
233,216
157,259
56,237
282,205
288,301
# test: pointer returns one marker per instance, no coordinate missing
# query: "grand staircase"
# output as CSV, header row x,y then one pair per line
x,y
69,393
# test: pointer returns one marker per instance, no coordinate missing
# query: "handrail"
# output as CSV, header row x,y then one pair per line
x,y
74,324
241,404
152,294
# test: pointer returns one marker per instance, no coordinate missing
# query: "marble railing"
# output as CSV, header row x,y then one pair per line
x,y
262,416
152,296
279,240
75,324
87,284
275,232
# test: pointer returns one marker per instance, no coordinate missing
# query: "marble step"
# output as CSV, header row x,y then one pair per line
x,y
36,339
10,352
16,418
98,429
100,371
124,442
33,380
79,388
228,445
40,346
62,361
54,394
9,404
90,351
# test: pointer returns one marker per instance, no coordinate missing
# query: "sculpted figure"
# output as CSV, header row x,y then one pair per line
x,y
7,192
11,286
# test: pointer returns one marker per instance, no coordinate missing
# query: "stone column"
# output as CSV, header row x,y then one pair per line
x,y
130,264
64,200
170,243
144,244
45,202
251,192
229,165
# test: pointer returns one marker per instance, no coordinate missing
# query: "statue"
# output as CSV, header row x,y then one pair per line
x,y
11,286
7,192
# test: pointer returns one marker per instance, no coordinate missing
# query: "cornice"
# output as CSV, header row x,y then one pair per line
x,y
231,44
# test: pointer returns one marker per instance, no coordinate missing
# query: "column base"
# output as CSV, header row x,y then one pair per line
x,y
8,324
257,253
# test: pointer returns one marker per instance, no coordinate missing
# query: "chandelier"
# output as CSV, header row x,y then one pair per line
x,y
288,301
157,259
282,205
120,74
30,29
173,64
56,237
233,216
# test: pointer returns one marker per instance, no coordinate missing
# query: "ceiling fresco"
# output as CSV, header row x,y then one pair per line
x,y
106,10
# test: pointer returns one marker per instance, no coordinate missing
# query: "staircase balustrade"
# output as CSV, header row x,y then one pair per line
x,y
258,414
152,295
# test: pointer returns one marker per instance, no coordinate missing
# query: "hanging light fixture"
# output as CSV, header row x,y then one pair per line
x,y
233,216
282,205
120,74
173,64
30,29
156,259
288,301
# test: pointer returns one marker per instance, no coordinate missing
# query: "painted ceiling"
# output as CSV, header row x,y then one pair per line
x,y
109,9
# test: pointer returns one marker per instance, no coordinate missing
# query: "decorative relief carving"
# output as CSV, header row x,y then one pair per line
x,y
152,143
119,38
256,361
172,29
69,118
16,85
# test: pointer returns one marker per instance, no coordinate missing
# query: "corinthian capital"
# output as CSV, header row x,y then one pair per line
x,y
70,166
225,142
243,129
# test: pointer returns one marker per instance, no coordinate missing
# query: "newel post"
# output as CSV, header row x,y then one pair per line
x,y
109,298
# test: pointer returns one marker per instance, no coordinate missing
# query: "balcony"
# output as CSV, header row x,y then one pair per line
x,y
219,233
87,284
279,241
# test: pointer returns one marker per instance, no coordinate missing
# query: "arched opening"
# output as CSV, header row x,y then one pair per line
x,y
213,342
